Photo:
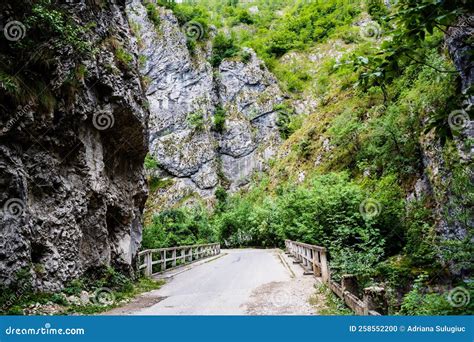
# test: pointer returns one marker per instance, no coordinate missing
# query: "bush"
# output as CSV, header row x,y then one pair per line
x,y
243,223
123,57
287,121
223,47
420,302
191,45
420,236
244,16
377,9
219,119
178,227
246,56
153,14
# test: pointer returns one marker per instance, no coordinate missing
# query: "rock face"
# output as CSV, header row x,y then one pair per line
x,y
72,186
459,43
185,92
453,209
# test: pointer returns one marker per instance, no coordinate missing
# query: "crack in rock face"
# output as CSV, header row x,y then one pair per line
x,y
182,86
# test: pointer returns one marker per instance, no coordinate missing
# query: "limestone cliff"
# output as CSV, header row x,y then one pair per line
x,y
182,85
453,209
72,186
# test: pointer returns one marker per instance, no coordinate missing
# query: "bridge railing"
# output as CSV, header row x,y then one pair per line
x,y
153,261
314,260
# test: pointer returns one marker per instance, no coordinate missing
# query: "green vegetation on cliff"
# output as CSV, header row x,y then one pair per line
x,y
370,168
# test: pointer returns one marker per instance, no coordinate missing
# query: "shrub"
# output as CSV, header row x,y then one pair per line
x,y
191,45
246,56
221,197
244,16
287,121
153,14
223,47
219,119
243,223
177,227
377,9
151,163
196,120
419,302
123,57
420,235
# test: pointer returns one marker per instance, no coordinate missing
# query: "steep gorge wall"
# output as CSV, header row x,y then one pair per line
x,y
72,182
72,186
454,208
182,84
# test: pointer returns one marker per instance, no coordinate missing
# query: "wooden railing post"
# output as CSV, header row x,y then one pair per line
x,y
174,257
375,300
314,255
163,260
324,266
148,262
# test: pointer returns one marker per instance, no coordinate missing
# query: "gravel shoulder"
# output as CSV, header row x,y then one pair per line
x,y
291,297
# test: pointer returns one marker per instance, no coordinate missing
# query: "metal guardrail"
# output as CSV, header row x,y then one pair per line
x,y
154,261
314,260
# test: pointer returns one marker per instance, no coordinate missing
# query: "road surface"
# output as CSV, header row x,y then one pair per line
x,y
240,282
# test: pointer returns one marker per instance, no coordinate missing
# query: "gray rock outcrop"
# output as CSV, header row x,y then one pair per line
x,y
72,186
184,88
455,214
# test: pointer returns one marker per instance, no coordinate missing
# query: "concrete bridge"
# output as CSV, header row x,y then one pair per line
x,y
203,280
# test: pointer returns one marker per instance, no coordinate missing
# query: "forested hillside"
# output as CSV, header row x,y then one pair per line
x,y
375,161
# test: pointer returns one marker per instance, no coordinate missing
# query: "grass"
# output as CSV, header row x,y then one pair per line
x,y
156,183
141,286
14,302
333,306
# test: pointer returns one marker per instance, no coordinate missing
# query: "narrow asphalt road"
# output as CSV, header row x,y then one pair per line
x,y
219,287
240,282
